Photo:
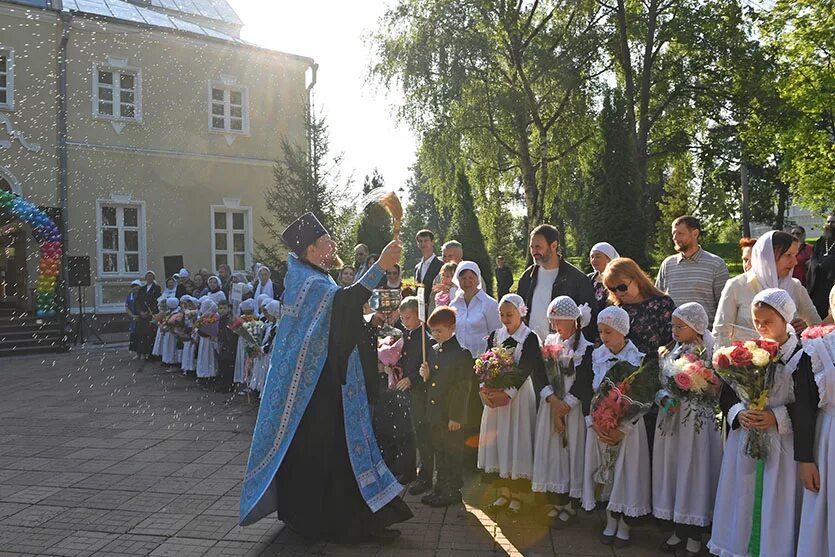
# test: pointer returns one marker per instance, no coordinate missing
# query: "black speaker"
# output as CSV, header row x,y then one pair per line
x,y
78,270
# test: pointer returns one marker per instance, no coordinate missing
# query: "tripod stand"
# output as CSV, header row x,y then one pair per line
x,y
78,334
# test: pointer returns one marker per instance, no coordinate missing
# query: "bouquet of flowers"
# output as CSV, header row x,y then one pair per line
x,y
208,324
496,370
688,377
176,325
388,355
559,364
748,368
624,395
818,331
409,287
251,332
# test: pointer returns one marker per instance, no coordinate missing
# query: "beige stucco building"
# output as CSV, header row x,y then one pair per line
x,y
173,124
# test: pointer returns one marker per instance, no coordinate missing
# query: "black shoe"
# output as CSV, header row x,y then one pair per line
x,y
445,500
419,487
606,539
621,543
386,535
429,498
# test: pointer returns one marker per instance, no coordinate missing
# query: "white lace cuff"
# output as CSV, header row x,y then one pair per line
x,y
784,422
546,392
571,400
589,421
659,396
511,392
734,412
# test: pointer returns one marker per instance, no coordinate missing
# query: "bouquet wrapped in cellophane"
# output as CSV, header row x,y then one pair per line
x,y
625,395
251,331
749,368
689,377
559,364
496,370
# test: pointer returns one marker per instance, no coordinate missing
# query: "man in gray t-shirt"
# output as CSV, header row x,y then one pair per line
x,y
693,274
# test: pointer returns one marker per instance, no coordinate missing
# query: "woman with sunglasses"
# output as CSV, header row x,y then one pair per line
x,y
650,310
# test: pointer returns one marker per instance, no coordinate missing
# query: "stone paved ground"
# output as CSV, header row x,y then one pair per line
x,y
103,456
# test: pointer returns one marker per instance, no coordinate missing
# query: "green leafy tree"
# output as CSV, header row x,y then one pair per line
x,y
306,178
498,86
467,230
421,212
614,202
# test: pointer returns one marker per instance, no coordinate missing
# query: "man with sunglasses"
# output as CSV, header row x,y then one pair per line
x,y
551,276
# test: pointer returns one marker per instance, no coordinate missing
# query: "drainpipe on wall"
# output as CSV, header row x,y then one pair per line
x,y
66,27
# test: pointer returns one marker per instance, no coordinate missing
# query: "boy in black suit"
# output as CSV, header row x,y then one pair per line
x,y
450,383
411,358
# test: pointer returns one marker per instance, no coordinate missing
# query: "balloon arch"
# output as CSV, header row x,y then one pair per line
x,y
49,237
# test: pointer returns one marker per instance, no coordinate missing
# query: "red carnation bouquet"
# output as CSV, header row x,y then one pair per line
x,y
749,368
625,395
689,377
496,370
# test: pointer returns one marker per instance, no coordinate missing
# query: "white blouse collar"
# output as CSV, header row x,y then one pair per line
x,y
519,336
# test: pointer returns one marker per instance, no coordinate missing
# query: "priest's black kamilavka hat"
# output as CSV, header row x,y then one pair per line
x,y
302,232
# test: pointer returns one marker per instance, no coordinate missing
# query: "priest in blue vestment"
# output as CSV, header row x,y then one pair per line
x,y
314,459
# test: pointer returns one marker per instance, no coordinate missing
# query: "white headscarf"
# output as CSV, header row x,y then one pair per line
x,y
606,249
184,273
694,316
778,299
208,306
467,266
516,301
563,307
248,305
764,266
615,317
266,288
273,308
172,303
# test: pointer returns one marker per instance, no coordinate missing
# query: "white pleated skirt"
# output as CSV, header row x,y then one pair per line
x,y
685,468
187,362
506,436
240,362
629,492
206,358
169,349
781,499
558,468
157,349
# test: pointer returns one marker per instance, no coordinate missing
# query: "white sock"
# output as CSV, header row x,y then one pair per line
x,y
552,511
694,546
623,529
673,540
611,524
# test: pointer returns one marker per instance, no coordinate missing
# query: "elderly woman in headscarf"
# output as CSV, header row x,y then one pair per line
x,y
263,284
477,313
772,260
599,256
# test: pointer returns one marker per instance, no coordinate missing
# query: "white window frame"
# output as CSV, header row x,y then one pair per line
x,y
228,88
230,252
143,244
117,71
8,52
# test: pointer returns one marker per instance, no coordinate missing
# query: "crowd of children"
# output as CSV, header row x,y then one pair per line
x,y
224,341
540,433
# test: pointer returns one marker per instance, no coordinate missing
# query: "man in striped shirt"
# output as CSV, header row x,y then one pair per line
x,y
692,275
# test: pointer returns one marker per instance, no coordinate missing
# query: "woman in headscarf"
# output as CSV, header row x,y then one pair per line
x,y
477,313
263,283
772,259
215,289
199,290
599,256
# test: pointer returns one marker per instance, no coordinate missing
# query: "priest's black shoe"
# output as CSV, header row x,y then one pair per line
x,y
419,486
